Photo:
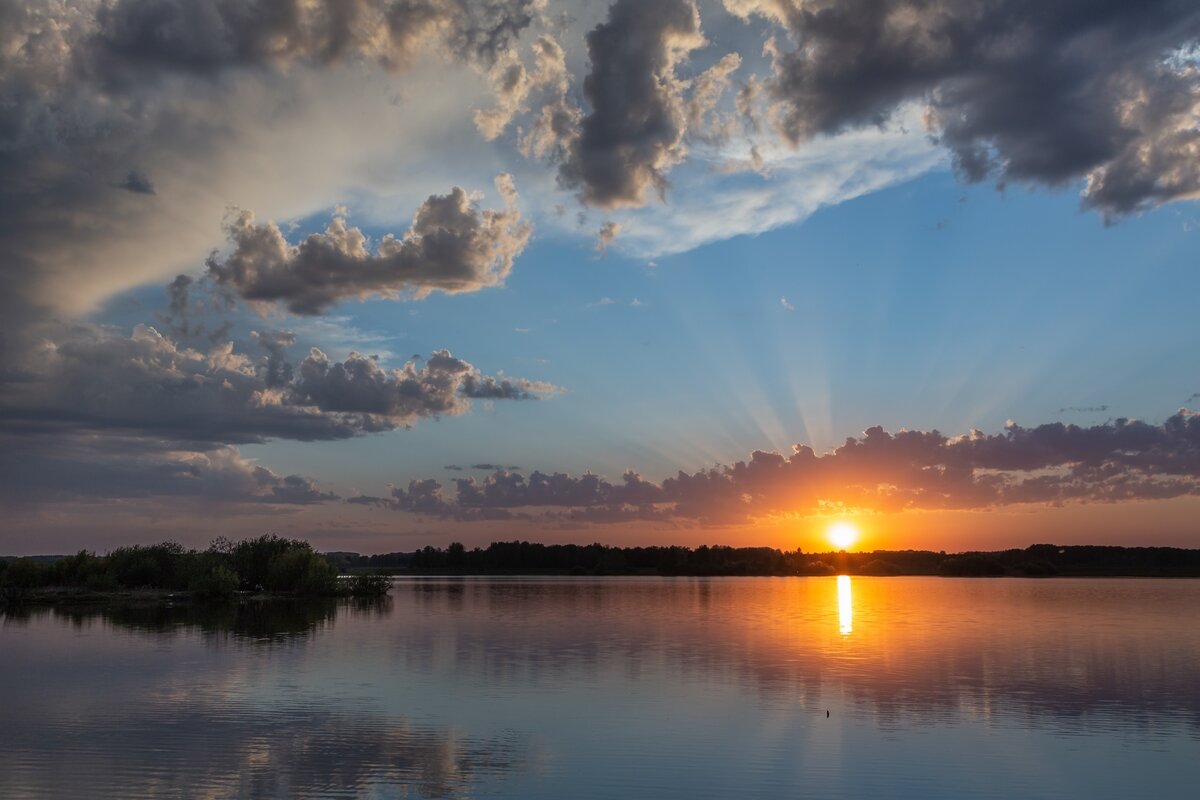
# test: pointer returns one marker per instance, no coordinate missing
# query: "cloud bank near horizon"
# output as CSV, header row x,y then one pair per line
x,y
1052,464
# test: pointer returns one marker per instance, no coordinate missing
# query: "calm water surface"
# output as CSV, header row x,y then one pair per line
x,y
618,688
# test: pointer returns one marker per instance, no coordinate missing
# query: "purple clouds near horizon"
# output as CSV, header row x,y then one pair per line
x,y
1053,463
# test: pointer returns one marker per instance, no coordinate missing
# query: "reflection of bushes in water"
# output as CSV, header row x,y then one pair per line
x,y
266,618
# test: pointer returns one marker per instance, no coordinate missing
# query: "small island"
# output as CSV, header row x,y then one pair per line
x,y
266,565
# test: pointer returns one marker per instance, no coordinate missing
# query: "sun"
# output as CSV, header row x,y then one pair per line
x,y
843,535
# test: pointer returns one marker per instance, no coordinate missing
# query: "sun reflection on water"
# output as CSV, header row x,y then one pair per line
x,y
845,606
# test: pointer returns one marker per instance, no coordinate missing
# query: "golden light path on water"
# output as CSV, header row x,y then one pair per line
x,y
845,606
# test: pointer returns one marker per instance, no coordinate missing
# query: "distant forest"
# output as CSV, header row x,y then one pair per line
x,y
519,558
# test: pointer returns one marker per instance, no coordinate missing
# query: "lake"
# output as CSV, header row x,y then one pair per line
x,y
617,688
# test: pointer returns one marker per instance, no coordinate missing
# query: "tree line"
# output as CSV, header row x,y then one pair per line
x,y
521,557
270,563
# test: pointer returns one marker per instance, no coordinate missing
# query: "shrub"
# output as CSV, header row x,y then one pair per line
x,y
25,573
218,583
78,569
158,566
255,559
100,582
301,571
20,577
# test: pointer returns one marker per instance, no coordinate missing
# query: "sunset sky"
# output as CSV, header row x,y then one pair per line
x,y
388,273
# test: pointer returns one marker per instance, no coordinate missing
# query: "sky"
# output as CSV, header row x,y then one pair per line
x,y
387,273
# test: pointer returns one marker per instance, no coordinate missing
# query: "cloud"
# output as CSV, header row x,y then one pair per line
x,y
783,301
512,84
634,132
137,183
1039,93
94,412
93,378
222,102
711,205
1119,461
451,247
605,236
110,468
137,39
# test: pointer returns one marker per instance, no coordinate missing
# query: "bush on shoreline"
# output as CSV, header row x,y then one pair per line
x,y
267,563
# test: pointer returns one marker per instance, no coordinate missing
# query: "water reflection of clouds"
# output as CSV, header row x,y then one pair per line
x,y
206,746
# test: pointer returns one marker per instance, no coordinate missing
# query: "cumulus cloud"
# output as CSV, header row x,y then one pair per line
x,y
635,130
1123,460
452,246
94,378
142,414
1037,92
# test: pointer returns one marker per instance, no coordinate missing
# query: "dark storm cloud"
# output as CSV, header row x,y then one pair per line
x,y
1016,89
634,132
138,38
1123,460
451,247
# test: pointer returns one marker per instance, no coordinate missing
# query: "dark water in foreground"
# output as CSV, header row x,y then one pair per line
x,y
618,688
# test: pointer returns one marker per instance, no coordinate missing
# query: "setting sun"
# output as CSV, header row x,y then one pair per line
x,y
843,535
